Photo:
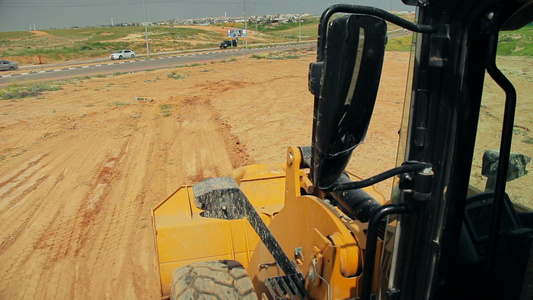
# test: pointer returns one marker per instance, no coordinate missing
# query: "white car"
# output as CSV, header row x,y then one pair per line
x,y
121,54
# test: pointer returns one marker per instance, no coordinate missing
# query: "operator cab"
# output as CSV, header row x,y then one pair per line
x,y
455,246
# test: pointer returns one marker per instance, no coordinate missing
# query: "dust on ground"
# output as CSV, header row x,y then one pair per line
x,y
81,167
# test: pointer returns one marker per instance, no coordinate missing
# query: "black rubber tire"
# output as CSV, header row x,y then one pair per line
x,y
219,279
120,57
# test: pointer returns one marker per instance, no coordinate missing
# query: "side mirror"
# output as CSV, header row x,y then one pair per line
x,y
346,92
515,169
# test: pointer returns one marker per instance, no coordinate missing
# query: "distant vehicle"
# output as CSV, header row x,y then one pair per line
x,y
225,44
121,54
6,65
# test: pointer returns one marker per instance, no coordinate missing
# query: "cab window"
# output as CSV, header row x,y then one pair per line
x,y
514,62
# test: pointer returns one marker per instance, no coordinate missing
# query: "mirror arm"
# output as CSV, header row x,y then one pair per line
x,y
367,10
407,167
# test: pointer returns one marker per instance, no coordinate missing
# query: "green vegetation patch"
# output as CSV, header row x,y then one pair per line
x,y
233,58
291,31
79,49
97,34
166,110
402,44
289,26
5,36
516,43
279,55
510,43
181,33
16,91
176,75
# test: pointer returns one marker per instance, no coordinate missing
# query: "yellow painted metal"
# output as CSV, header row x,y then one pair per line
x,y
182,236
329,247
330,254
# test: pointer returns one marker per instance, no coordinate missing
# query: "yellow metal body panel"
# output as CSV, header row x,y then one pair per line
x,y
312,233
309,227
182,236
329,252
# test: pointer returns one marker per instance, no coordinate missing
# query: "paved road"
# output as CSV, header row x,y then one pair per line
x,y
111,67
104,67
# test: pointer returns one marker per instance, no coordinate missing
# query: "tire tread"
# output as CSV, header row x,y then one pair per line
x,y
221,279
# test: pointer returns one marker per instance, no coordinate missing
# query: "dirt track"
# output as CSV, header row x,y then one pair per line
x,y
81,167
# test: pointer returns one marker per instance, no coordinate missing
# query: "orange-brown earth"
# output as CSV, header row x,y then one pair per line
x,y
81,167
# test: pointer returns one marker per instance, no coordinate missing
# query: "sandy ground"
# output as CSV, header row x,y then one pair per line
x,y
80,168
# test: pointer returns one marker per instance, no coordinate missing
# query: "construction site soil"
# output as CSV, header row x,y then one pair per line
x,y
82,167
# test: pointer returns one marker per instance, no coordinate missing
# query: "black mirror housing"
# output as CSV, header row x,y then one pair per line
x,y
346,92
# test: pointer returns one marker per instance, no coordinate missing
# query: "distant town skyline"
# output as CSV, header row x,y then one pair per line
x,y
23,15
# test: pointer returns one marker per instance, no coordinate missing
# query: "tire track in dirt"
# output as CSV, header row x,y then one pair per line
x,y
14,186
63,235
85,205
204,153
65,238
115,218
42,209
94,201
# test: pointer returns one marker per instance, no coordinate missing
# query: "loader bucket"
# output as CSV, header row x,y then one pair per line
x,y
203,223
183,235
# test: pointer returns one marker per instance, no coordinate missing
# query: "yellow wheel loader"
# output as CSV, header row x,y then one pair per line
x,y
308,229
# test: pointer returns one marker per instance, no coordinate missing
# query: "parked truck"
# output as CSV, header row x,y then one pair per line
x,y
228,43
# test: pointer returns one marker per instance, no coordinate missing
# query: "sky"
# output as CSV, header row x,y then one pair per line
x,y
17,15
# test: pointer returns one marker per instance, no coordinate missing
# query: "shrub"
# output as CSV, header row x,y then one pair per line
x,y
15,91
